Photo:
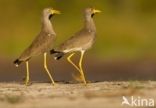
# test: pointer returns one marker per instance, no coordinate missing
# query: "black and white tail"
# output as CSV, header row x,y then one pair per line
x,y
57,54
17,62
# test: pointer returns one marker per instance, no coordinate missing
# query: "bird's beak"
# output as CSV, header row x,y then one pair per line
x,y
96,11
55,11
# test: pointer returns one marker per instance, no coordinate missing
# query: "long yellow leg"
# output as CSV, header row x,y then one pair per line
x,y
45,66
69,60
80,66
27,74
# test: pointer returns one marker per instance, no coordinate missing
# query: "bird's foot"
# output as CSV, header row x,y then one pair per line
x,y
27,82
79,78
53,83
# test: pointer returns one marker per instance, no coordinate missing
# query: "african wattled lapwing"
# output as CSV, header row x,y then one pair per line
x,y
80,41
41,44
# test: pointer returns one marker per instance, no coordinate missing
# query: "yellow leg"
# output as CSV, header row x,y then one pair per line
x,y
80,66
45,66
69,60
27,74
78,78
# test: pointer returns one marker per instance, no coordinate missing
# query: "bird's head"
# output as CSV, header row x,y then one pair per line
x,y
49,12
91,11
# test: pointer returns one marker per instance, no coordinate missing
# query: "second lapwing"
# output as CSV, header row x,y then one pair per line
x,y
80,41
41,44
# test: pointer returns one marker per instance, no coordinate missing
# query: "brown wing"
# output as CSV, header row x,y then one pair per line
x,y
82,39
42,43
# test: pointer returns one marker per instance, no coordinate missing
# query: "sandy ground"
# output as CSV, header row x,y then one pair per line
x,y
69,95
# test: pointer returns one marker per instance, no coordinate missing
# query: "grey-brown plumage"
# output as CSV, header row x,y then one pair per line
x,y
80,41
42,43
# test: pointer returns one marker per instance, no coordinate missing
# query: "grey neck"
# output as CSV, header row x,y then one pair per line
x,y
89,24
47,26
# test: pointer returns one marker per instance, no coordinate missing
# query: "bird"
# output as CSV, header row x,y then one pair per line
x,y
81,41
42,43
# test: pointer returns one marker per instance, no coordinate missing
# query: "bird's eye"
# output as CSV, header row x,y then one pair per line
x,y
92,9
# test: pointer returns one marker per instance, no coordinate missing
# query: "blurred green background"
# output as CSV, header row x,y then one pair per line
x,y
126,29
